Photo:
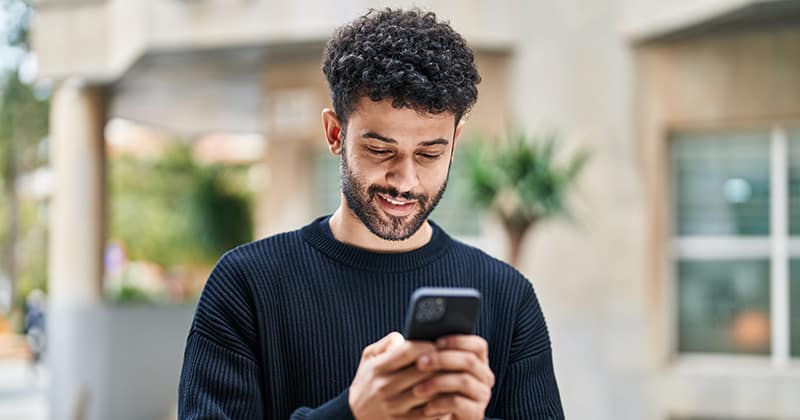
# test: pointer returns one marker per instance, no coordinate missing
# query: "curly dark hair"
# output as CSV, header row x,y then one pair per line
x,y
407,56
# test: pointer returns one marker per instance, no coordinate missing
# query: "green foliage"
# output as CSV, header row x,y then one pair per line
x,y
32,260
521,179
18,13
23,126
225,214
3,215
456,213
173,211
23,117
128,293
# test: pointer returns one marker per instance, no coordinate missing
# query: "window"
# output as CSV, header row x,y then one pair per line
x,y
327,188
456,213
794,240
736,198
794,269
723,306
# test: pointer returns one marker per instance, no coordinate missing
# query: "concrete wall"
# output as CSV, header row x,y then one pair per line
x,y
741,80
116,362
224,86
100,39
573,73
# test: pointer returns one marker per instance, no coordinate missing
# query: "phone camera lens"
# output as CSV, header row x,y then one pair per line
x,y
430,309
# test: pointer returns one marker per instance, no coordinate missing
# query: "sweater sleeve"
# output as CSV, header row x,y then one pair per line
x,y
337,408
529,389
220,377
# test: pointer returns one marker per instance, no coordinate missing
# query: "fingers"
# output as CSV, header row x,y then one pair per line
x,y
392,385
403,355
418,413
407,402
466,342
459,361
462,383
458,405
389,341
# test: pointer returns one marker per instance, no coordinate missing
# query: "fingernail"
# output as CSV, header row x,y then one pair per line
x,y
425,360
441,342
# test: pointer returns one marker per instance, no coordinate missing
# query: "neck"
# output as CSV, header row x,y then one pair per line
x,y
348,228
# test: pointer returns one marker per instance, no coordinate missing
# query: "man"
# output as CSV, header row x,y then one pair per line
x,y
299,325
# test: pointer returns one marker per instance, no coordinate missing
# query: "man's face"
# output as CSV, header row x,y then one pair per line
x,y
395,164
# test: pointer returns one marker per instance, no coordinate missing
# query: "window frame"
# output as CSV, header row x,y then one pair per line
x,y
778,247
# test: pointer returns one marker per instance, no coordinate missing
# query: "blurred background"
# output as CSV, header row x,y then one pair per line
x,y
141,139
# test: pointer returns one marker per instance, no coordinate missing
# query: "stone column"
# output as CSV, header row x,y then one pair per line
x,y
75,266
77,209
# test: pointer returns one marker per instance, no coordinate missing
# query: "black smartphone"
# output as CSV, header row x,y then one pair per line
x,y
438,311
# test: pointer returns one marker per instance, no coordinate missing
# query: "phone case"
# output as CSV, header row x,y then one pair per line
x,y
436,312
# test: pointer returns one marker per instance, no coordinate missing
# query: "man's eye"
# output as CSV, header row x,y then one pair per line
x,y
430,155
380,152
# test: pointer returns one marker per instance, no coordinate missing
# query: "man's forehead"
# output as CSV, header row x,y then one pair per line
x,y
372,115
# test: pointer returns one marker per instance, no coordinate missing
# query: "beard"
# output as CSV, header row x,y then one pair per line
x,y
362,201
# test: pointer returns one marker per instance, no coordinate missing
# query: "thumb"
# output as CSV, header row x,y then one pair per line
x,y
393,339
388,342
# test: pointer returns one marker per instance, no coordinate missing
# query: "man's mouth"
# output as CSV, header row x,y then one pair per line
x,y
396,206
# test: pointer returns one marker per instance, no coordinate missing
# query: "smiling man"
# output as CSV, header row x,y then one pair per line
x,y
301,325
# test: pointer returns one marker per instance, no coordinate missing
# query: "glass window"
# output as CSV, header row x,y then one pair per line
x,y
794,182
724,306
794,305
456,213
327,189
794,232
721,183
723,240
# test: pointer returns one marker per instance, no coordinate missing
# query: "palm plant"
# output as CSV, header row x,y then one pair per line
x,y
519,179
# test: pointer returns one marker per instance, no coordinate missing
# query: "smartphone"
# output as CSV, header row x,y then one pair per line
x,y
434,312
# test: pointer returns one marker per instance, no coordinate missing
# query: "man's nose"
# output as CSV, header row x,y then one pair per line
x,y
403,176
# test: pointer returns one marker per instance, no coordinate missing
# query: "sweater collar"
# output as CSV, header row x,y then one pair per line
x,y
376,261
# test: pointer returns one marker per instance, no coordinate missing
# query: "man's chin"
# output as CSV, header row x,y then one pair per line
x,y
403,232
395,238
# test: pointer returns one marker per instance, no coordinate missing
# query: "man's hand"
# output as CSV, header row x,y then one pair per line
x,y
387,372
463,383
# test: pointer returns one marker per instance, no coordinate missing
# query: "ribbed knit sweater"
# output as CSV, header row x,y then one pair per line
x,y
281,323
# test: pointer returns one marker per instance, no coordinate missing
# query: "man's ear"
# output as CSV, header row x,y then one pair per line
x,y
333,131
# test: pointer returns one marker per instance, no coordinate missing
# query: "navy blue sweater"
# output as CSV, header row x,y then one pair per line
x,y
281,323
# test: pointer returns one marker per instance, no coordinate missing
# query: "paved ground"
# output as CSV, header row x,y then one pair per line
x,y
23,391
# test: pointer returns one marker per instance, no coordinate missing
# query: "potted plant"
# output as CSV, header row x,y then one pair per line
x,y
521,181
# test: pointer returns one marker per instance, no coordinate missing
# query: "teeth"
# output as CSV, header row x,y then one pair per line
x,y
396,203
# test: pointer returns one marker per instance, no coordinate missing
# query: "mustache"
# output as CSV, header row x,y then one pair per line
x,y
392,192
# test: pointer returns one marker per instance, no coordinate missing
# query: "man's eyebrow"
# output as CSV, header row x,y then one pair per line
x,y
376,136
434,142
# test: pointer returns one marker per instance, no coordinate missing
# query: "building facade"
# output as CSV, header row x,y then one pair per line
x,y
676,295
